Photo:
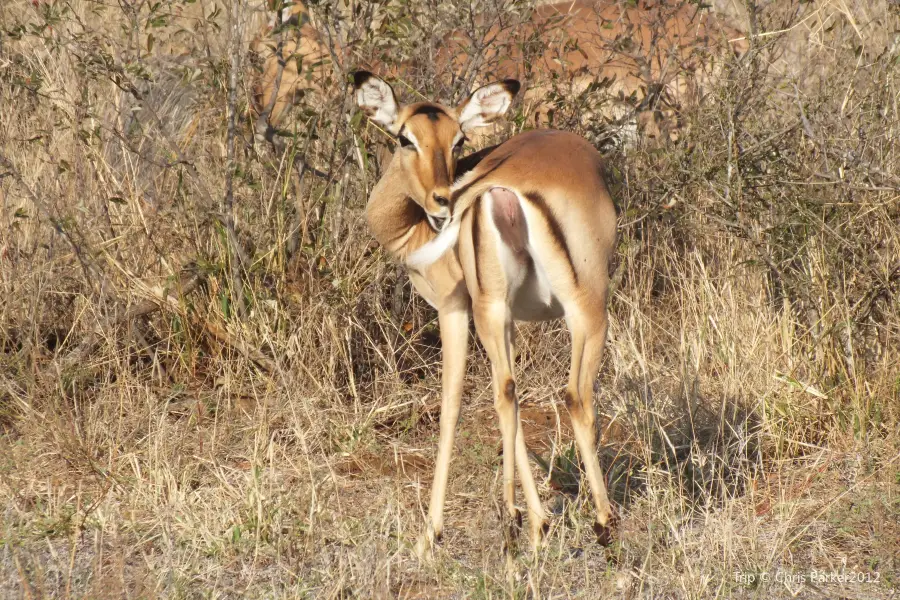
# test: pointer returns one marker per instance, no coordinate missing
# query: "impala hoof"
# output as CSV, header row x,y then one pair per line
x,y
516,518
512,525
514,522
423,549
426,543
539,530
604,532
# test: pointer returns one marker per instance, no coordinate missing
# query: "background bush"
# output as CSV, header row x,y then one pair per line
x,y
204,393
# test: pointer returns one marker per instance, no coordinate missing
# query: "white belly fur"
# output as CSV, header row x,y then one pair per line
x,y
529,287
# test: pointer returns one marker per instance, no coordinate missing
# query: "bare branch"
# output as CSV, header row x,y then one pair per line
x,y
237,287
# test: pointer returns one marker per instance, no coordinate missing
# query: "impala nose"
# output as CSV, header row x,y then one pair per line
x,y
441,200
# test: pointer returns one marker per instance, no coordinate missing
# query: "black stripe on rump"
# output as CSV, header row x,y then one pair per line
x,y
538,201
476,238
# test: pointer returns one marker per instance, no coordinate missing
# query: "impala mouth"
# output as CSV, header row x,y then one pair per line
x,y
437,223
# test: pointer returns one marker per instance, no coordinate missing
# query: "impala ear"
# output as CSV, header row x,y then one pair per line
x,y
376,98
486,104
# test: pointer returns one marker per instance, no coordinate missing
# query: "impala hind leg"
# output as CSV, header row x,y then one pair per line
x,y
588,333
495,329
537,518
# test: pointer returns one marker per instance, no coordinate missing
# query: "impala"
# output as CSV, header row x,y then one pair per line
x,y
526,234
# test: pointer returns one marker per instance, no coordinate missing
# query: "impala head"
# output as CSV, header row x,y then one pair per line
x,y
429,135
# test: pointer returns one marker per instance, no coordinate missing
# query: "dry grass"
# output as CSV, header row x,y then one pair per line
x,y
154,443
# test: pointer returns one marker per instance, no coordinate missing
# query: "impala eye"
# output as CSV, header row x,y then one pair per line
x,y
404,142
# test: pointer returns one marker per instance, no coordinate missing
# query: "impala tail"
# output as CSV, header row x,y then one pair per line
x,y
435,249
447,238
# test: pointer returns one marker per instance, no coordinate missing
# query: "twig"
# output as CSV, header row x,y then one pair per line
x,y
89,272
187,284
221,334
807,127
118,78
335,59
237,287
299,235
263,130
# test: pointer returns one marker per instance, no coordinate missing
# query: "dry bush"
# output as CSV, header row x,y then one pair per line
x,y
158,442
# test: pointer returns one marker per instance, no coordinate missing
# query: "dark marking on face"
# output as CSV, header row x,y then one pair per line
x,y
553,224
431,110
439,167
476,238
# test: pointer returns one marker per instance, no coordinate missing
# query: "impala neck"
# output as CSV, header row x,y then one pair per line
x,y
395,219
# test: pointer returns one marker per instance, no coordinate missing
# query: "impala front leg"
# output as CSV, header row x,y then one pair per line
x,y
454,326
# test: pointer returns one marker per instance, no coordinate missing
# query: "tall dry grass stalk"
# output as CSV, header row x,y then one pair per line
x,y
155,442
